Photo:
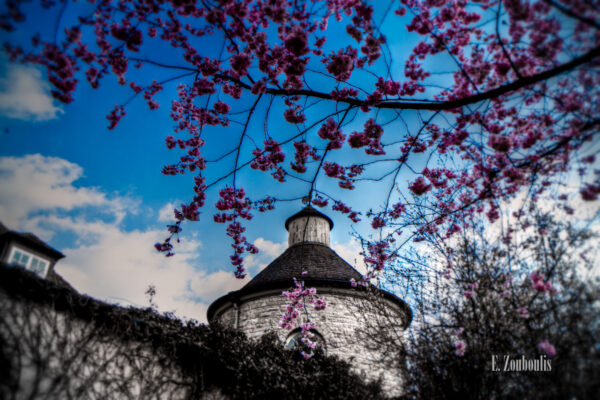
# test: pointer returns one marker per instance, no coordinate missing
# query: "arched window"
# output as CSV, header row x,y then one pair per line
x,y
293,340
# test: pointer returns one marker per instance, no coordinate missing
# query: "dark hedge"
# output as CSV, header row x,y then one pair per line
x,y
211,358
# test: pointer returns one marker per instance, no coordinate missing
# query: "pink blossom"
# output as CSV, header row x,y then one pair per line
x,y
590,192
460,348
397,210
378,222
294,115
469,294
419,186
523,312
500,143
341,64
115,116
330,131
296,42
537,282
547,348
221,108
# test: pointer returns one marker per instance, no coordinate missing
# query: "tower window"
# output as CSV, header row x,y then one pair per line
x,y
28,261
293,340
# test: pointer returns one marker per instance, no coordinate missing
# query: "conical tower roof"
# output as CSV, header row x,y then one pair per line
x,y
306,261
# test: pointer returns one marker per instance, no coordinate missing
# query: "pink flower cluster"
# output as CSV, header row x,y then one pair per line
x,y
370,137
378,254
345,209
343,94
303,152
330,131
345,175
390,88
590,192
547,348
149,93
341,64
378,222
307,335
460,348
459,344
537,282
299,296
397,210
269,159
419,186
115,116
266,204
319,201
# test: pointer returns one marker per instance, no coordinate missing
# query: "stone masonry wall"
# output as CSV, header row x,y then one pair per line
x,y
341,324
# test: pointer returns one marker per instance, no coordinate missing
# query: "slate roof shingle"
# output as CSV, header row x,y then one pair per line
x,y
319,261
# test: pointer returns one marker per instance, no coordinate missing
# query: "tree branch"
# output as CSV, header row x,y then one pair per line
x,y
570,13
439,105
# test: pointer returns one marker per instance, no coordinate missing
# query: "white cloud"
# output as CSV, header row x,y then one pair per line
x,y
119,266
350,252
268,251
35,183
24,95
269,248
105,261
165,214
211,286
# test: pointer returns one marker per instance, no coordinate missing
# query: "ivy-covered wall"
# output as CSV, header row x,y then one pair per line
x,y
57,344
341,325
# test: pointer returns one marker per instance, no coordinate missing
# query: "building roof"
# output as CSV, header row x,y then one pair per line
x,y
58,280
30,240
324,268
318,261
309,211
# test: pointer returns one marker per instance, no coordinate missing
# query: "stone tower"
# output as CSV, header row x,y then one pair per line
x,y
257,307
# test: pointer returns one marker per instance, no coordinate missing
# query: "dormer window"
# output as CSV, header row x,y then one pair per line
x,y
29,261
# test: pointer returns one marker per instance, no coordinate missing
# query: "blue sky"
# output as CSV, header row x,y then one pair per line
x,y
99,197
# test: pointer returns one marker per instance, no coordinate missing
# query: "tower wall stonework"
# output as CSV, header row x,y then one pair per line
x,y
308,229
342,325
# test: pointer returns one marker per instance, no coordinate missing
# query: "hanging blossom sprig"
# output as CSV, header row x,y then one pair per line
x,y
299,296
238,206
